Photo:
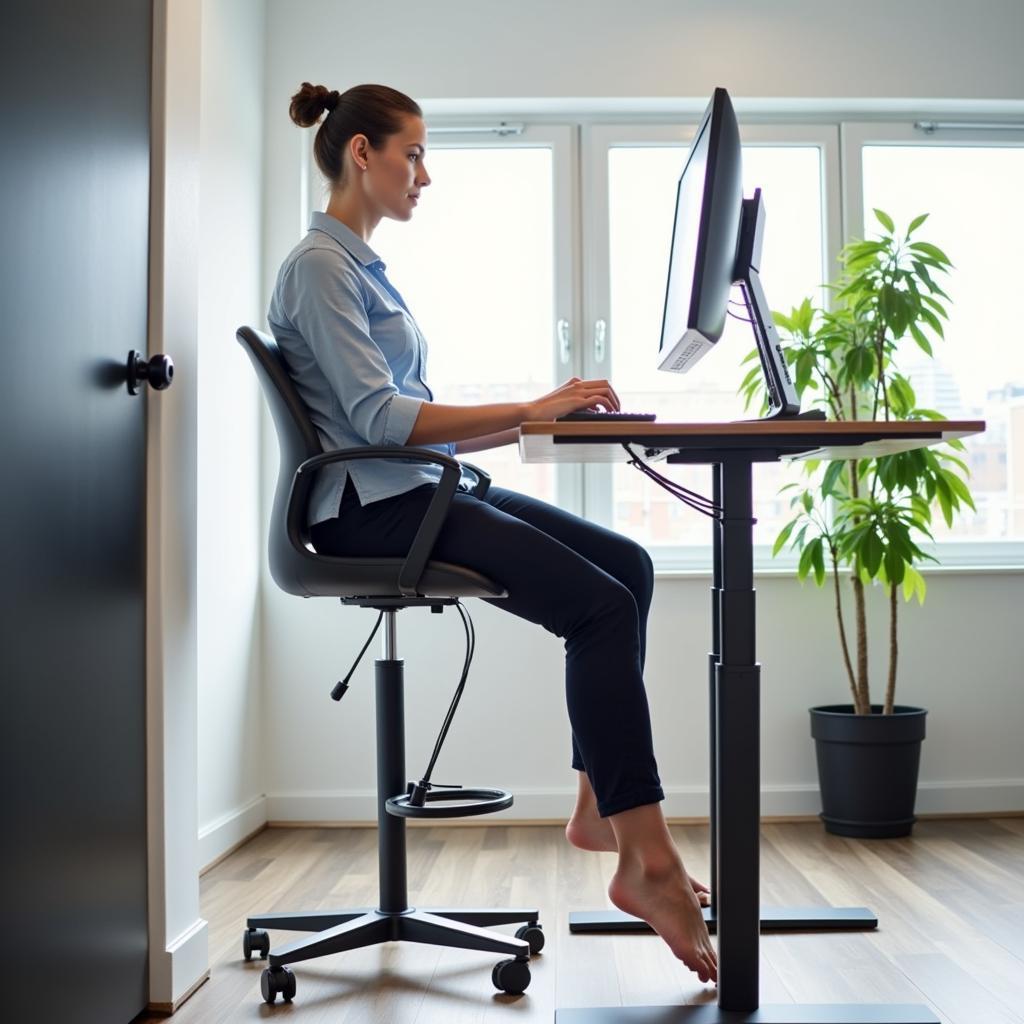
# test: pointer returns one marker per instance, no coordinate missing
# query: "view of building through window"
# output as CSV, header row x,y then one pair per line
x,y
975,217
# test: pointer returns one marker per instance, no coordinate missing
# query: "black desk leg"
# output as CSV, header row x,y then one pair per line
x,y
738,746
713,658
737,811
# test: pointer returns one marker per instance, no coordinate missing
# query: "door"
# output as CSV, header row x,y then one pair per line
x,y
74,213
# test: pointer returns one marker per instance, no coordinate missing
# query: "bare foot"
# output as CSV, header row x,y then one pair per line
x,y
592,832
663,899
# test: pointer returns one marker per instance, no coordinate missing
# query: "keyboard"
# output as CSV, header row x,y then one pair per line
x,y
588,416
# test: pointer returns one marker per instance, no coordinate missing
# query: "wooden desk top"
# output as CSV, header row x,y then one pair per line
x,y
793,439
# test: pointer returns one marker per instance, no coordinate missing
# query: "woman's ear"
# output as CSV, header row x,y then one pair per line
x,y
358,146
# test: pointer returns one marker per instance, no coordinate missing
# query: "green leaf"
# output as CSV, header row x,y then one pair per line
x,y
918,335
959,488
895,566
871,552
831,476
783,537
945,498
806,561
885,220
916,223
933,321
818,561
913,583
930,250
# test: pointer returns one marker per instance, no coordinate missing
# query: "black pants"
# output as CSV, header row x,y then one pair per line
x,y
582,582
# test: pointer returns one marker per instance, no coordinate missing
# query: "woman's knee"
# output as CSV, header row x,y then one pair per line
x,y
638,571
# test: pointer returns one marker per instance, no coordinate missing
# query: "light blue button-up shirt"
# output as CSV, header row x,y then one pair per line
x,y
357,358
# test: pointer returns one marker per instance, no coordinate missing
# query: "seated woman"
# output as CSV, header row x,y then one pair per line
x,y
358,360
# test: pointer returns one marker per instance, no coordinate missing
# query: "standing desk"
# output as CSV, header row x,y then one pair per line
x,y
732,449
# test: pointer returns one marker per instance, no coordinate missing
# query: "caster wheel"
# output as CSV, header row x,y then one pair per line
x,y
534,935
277,979
511,976
255,941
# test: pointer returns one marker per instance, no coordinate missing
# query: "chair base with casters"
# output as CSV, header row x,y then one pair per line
x,y
394,920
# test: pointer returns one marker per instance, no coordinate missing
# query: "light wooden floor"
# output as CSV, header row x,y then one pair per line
x,y
950,902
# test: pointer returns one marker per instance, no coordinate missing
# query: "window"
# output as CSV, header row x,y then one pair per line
x,y
968,184
542,253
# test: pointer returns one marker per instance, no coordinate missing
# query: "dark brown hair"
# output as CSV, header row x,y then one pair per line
x,y
371,110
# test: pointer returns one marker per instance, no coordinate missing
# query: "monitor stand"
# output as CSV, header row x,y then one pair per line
x,y
783,402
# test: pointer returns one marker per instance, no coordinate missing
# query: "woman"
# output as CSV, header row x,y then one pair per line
x,y
358,360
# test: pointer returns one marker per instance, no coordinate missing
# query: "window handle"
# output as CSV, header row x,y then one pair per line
x,y
600,339
564,341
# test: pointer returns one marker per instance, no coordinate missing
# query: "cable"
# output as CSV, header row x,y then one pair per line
x,y
418,792
736,316
695,501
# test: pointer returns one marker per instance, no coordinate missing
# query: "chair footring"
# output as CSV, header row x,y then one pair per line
x,y
451,803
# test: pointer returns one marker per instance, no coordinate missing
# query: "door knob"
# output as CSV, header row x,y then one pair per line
x,y
158,372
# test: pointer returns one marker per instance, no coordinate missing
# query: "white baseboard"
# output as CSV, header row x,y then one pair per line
x,y
179,969
977,796
988,796
227,831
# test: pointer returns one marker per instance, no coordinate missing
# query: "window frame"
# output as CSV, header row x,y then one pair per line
x,y
855,136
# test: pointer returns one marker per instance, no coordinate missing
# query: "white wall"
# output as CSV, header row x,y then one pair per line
x,y
961,654
230,706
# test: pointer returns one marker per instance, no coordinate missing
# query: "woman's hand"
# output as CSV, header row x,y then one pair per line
x,y
573,395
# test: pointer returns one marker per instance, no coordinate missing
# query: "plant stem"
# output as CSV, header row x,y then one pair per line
x,y
860,616
880,347
890,690
842,631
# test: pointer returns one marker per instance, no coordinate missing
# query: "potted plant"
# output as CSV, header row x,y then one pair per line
x,y
864,518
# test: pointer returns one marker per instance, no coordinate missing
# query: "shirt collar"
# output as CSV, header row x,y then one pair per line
x,y
344,236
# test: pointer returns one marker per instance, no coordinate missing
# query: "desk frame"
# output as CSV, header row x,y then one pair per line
x,y
735,700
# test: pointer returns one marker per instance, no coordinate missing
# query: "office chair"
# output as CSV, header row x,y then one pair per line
x,y
386,585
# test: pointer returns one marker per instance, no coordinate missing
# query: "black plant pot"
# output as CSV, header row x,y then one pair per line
x,y
867,769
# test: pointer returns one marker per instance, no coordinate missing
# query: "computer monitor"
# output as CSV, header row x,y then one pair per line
x,y
716,243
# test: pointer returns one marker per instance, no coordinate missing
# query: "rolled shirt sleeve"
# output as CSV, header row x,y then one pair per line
x,y
326,303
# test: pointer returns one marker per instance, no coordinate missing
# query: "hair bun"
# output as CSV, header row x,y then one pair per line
x,y
309,103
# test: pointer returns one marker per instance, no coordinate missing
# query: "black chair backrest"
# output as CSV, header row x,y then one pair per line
x,y
297,441
295,567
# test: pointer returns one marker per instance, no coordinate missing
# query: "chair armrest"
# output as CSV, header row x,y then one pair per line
x,y
433,518
483,479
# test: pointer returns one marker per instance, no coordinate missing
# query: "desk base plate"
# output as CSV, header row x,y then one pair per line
x,y
776,1013
773,919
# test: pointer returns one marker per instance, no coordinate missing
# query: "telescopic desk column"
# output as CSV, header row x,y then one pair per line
x,y
738,748
713,658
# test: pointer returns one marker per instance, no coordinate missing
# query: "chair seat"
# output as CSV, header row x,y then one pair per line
x,y
378,577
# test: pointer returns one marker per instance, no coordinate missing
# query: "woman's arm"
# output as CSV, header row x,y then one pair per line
x,y
479,444
440,424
